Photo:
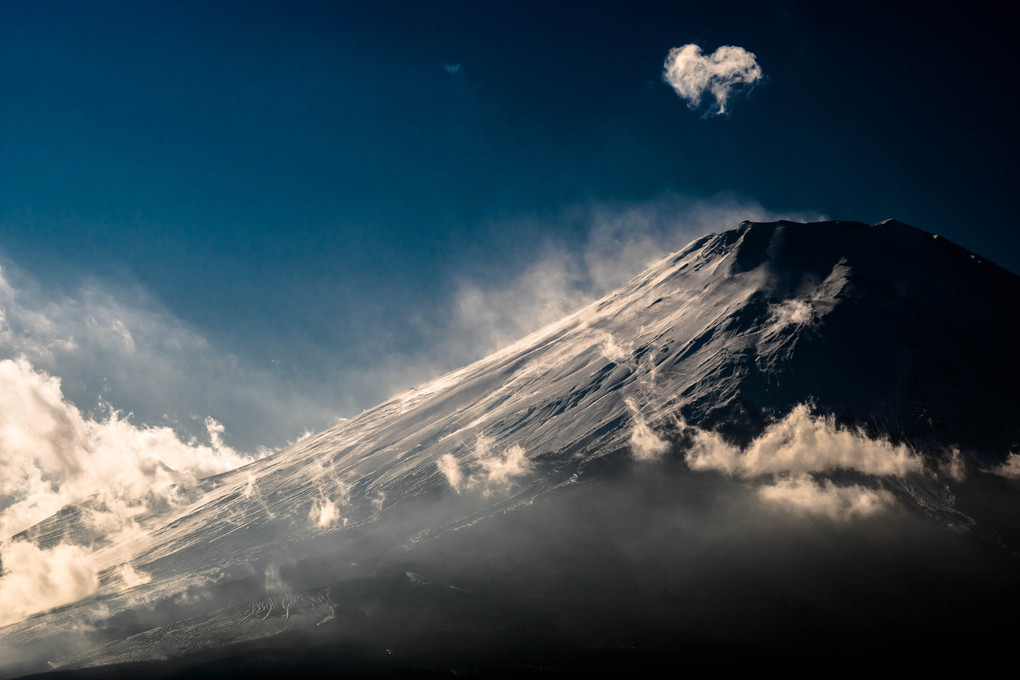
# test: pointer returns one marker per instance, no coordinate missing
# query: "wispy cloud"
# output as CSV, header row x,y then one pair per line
x,y
645,444
721,74
116,345
579,254
500,471
494,471
620,240
805,495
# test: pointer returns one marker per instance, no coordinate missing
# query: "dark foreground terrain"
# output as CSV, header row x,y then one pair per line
x,y
635,574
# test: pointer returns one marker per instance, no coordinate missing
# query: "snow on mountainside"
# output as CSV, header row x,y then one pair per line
x,y
727,353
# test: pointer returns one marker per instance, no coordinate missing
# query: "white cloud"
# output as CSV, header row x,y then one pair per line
x,y
35,580
644,443
724,72
799,444
130,577
496,472
805,495
610,350
448,465
500,471
51,455
324,513
1009,469
792,312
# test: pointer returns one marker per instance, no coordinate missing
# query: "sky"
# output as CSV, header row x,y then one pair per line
x,y
275,215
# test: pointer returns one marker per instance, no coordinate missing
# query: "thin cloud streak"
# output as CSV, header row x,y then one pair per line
x,y
620,241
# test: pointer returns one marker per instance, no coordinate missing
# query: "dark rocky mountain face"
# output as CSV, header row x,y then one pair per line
x,y
784,439
917,345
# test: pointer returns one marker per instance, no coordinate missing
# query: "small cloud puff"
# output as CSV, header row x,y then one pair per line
x,y
448,465
452,69
324,513
130,577
644,443
498,472
793,312
721,74
609,348
501,470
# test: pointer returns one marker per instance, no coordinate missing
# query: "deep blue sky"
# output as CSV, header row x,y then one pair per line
x,y
305,185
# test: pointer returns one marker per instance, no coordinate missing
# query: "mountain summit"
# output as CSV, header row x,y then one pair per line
x,y
834,373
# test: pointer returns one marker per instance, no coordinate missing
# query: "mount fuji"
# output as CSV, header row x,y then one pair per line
x,y
782,441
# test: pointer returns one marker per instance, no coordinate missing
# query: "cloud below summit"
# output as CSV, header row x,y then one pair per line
x,y
798,452
721,74
802,444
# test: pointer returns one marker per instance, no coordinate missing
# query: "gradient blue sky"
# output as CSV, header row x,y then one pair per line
x,y
317,211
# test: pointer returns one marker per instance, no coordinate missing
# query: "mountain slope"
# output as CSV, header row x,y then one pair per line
x,y
887,329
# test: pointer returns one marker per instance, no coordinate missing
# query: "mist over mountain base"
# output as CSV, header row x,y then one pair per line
x,y
647,566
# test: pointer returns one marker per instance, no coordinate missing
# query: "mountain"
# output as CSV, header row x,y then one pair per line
x,y
780,432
